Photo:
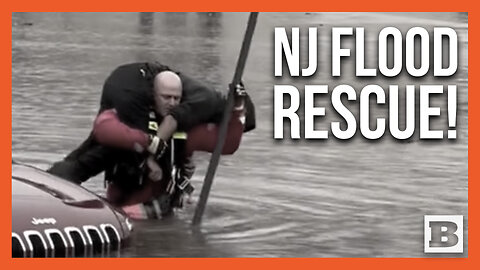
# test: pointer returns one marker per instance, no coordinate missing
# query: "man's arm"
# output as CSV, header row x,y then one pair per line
x,y
200,104
167,128
110,131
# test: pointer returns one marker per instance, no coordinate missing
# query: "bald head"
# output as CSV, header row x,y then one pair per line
x,y
167,79
167,91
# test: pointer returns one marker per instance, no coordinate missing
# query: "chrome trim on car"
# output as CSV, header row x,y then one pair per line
x,y
48,233
16,236
107,239
86,229
68,231
129,224
27,235
104,227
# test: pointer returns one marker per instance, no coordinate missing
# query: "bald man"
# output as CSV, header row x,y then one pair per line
x,y
167,92
109,130
131,90
135,97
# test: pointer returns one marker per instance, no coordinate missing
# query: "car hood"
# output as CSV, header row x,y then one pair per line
x,y
41,200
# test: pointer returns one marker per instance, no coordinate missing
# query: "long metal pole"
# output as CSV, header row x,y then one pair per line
x,y
212,167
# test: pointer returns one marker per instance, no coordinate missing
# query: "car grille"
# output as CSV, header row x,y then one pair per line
x,y
86,241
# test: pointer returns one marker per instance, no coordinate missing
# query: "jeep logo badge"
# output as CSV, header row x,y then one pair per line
x,y
41,221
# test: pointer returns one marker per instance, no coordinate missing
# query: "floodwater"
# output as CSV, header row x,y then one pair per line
x,y
273,198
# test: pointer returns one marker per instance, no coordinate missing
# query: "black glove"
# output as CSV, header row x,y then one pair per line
x,y
240,90
239,96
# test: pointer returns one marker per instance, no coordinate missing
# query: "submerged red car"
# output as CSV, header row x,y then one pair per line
x,y
52,217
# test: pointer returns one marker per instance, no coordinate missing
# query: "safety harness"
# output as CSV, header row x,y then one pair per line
x,y
173,160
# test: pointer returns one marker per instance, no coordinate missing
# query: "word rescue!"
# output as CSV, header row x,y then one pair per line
x,y
402,45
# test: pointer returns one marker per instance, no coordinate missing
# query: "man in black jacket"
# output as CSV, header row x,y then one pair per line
x,y
142,105
130,91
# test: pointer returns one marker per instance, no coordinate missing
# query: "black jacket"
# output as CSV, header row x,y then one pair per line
x,y
129,89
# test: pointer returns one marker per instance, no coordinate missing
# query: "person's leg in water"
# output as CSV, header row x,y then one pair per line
x,y
88,160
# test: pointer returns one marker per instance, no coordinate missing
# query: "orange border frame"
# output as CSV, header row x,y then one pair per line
x,y
240,263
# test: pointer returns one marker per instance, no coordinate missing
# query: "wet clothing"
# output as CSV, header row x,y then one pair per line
x,y
129,90
129,184
110,131
88,160
118,142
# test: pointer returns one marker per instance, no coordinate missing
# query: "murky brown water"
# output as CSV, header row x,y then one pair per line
x,y
272,198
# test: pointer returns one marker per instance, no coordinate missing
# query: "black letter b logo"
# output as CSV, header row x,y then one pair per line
x,y
443,234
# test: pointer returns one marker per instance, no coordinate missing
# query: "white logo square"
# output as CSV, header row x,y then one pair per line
x,y
443,234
